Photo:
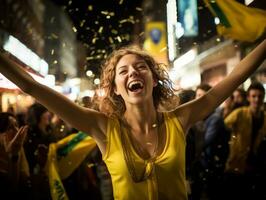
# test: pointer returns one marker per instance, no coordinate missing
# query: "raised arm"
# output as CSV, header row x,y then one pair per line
x,y
83,119
198,109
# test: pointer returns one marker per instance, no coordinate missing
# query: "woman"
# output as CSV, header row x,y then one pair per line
x,y
14,169
144,149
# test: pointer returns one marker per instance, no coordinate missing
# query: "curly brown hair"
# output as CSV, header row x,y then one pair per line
x,y
113,105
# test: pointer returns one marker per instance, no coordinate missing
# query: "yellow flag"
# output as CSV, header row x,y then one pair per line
x,y
63,158
238,21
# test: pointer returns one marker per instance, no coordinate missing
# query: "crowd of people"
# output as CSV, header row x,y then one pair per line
x,y
140,138
226,154
24,145
214,166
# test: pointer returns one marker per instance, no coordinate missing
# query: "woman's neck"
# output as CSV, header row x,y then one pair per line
x,y
141,119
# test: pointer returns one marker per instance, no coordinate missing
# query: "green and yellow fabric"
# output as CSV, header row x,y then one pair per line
x,y
238,21
63,158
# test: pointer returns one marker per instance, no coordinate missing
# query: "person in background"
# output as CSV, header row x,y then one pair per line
x,y
143,148
227,107
14,169
210,152
40,135
244,171
239,98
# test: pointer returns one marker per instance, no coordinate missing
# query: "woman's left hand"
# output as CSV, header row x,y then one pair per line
x,y
15,145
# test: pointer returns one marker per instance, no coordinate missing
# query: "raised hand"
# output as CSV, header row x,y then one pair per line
x,y
16,143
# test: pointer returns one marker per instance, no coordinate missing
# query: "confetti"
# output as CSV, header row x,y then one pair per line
x,y
54,36
89,58
111,40
114,31
74,29
119,39
94,40
90,7
100,29
104,12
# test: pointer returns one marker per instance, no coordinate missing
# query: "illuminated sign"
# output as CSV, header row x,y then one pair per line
x,y
187,15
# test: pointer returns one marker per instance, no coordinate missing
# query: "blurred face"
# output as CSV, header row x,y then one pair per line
x,y
237,97
199,93
45,118
133,79
255,99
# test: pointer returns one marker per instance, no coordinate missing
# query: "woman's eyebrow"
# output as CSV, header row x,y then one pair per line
x,y
136,63
122,67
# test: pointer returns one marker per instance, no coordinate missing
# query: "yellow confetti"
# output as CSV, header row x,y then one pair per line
x,y
90,165
69,2
94,40
52,52
104,12
138,9
114,31
119,39
142,33
55,62
111,40
163,49
90,7
100,29
89,58
54,36
123,21
82,23
121,1
74,29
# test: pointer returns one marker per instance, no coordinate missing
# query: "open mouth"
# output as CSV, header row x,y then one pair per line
x,y
134,86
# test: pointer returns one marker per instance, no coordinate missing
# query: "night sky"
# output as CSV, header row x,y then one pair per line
x,y
102,25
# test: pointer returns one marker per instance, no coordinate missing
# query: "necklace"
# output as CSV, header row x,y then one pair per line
x,y
131,163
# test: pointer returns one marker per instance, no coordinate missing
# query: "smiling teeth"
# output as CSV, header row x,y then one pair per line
x,y
135,82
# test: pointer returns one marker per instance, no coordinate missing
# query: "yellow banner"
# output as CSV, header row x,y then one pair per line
x,y
155,42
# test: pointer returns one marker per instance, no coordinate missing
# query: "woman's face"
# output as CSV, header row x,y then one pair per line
x,y
45,118
133,79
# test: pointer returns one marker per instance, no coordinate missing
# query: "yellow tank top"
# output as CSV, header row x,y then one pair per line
x,y
167,180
